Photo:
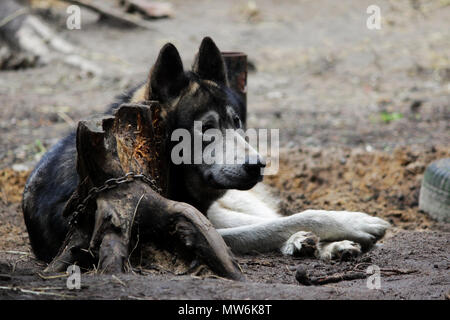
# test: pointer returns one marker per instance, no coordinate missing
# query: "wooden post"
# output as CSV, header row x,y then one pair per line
x,y
236,63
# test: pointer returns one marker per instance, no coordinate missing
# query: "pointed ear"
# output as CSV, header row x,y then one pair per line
x,y
167,78
209,64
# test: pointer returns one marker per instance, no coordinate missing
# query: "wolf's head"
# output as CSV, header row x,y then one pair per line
x,y
199,102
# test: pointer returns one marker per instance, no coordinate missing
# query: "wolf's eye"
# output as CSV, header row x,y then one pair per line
x,y
237,121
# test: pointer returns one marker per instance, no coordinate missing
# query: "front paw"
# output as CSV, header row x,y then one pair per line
x,y
370,230
361,227
340,250
301,243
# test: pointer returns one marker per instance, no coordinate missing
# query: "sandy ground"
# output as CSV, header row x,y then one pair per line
x,y
362,113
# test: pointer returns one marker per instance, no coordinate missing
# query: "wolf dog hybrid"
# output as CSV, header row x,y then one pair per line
x,y
230,195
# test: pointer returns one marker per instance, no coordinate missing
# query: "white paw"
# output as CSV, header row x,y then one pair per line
x,y
365,229
342,250
300,243
356,226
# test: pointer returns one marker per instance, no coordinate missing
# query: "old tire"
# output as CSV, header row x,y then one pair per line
x,y
435,190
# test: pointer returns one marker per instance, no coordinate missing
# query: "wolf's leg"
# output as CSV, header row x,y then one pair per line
x,y
327,225
244,205
223,217
240,208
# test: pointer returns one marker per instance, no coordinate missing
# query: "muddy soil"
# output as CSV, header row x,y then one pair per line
x,y
361,114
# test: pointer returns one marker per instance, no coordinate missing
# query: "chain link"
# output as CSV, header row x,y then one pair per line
x,y
111,184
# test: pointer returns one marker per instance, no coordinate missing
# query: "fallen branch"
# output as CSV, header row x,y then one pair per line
x,y
38,293
303,278
23,253
13,16
149,9
396,271
45,277
384,271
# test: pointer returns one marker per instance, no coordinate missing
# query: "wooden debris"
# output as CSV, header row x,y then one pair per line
x,y
358,272
149,9
35,292
301,275
109,147
28,41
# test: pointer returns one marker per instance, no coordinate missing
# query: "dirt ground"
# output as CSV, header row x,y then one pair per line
x,y
361,114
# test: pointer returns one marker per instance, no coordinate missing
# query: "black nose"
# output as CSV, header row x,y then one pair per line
x,y
253,166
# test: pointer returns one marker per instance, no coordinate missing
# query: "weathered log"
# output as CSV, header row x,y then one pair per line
x,y
25,41
110,147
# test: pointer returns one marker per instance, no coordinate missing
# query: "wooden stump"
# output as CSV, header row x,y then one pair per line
x,y
123,173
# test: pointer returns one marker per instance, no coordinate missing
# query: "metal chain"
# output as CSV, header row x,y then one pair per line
x,y
111,184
